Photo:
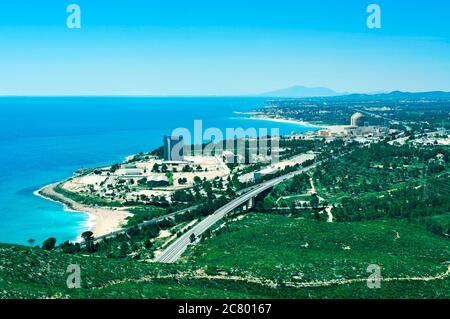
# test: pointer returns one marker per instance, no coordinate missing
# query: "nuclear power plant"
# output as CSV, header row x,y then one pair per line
x,y
357,119
359,127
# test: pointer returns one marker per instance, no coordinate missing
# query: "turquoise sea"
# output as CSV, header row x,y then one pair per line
x,y
43,140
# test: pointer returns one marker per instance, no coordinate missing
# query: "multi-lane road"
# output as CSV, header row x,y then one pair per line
x,y
155,220
143,224
171,253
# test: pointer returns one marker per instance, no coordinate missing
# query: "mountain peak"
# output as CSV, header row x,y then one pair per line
x,y
301,91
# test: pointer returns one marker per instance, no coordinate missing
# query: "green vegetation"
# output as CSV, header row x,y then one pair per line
x,y
378,167
144,213
137,243
438,224
49,244
86,199
283,249
425,112
35,273
390,205
385,181
260,256
283,194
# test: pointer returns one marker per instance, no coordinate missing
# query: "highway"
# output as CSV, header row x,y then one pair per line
x,y
156,219
140,225
171,253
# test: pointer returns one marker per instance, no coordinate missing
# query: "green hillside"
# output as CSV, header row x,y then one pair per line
x,y
295,251
260,256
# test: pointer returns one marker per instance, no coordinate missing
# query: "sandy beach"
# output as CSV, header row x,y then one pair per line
x,y
101,221
334,128
280,120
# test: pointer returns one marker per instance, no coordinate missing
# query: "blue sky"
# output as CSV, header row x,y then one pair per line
x,y
219,47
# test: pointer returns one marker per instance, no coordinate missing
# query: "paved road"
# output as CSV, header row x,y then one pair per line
x,y
171,253
156,219
147,222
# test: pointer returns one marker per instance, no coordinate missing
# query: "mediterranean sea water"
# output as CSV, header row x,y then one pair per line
x,y
46,139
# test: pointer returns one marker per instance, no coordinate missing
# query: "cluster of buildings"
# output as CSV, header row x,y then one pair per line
x,y
439,137
136,171
358,129
174,148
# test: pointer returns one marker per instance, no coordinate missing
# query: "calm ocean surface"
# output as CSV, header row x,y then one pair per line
x,y
43,140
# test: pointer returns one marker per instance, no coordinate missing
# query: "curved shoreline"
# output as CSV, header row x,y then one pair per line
x,y
335,128
282,120
89,223
101,221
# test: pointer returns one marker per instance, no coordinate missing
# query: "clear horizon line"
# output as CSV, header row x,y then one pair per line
x,y
126,95
255,95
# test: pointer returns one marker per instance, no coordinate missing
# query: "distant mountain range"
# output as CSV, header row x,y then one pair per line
x,y
299,91
396,95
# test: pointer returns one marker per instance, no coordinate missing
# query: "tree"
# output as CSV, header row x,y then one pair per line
x,y
235,182
89,240
69,248
197,180
148,243
206,234
210,194
142,181
192,238
159,152
31,242
220,184
314,202
123,250
169,176
49,244
87,235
